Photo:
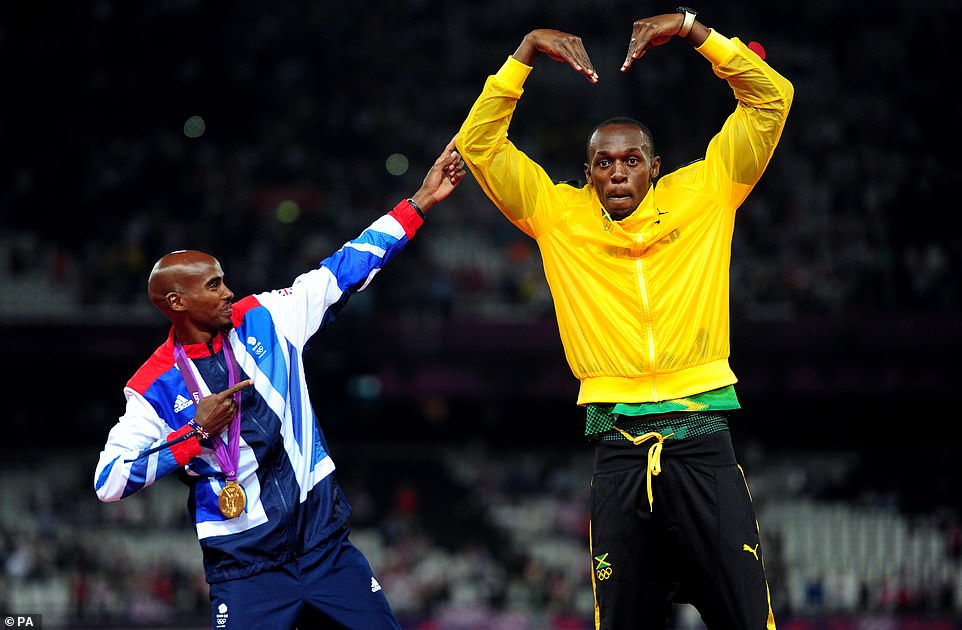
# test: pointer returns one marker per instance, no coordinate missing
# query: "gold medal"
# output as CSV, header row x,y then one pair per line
x,y
231,499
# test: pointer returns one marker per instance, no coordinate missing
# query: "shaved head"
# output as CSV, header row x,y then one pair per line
x,y
188,287
171,272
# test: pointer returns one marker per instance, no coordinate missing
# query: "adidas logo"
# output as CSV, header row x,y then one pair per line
x,y
375,587
181,403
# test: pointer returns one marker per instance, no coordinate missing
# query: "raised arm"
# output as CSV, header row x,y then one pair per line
x,y
747,140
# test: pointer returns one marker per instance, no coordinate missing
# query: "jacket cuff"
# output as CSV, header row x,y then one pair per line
x,y
513,73
184,451
409,218
717,48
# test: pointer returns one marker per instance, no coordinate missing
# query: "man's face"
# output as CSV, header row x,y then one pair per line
x,y
204,296
620,167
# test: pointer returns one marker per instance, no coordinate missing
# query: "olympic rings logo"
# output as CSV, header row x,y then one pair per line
x,y
603,574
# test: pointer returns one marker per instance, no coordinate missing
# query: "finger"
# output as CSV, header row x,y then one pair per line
x,y
640,37
589,73
629,58
446,160
579,60
634,55
448,153
230,391
452,145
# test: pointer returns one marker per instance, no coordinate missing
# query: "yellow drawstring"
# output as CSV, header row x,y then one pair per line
x,y
654,456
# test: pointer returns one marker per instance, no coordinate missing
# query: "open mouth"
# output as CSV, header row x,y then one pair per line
x,y
619,197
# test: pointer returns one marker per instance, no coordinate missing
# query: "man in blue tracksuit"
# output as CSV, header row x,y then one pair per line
x,y
224,402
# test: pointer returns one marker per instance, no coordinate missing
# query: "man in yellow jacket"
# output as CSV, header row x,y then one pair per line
x,y
639,276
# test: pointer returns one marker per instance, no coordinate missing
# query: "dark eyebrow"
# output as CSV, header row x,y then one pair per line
x,y
638,149
629,150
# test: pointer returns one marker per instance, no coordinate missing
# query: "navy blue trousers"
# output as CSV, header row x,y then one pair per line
x,y
331,587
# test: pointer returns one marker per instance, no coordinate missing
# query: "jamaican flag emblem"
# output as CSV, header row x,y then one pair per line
x,y
602,567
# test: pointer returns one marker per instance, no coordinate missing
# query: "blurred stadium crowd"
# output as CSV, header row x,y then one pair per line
x,y
472,536
269,133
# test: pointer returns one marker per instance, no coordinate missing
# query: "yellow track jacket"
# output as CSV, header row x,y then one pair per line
x,y
642,304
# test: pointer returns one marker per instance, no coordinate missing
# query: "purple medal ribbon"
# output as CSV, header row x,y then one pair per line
x,y
227,455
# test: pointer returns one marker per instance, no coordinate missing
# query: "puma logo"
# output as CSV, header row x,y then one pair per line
x,y
753,551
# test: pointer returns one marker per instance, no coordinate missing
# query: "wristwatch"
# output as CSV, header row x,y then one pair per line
x,y
688,21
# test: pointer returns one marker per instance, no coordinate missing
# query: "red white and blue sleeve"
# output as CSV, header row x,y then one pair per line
x,y
123,467
316,297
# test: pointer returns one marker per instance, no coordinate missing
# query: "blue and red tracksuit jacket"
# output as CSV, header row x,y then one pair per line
x,y
293,500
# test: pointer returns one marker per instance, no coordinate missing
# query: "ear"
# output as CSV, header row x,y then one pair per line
x,y
175,302
588,174
655,167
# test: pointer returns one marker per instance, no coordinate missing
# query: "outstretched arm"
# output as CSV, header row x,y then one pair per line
x,y
558,45
649,32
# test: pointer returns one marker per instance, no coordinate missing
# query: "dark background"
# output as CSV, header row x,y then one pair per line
x,y
845,294
846,299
